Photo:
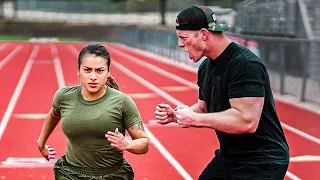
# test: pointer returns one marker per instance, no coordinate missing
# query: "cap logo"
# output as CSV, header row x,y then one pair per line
x,y
211,24
214,17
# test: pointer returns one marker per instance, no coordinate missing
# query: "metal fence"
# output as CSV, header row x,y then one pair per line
x,y
268,17
101,6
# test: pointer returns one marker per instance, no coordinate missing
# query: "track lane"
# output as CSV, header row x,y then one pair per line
x,y
139,70
300,147
302,119
183,71
300,139
10,74
69,63
151,165
46,53
195,167
288,113
5,49
22,132
138,161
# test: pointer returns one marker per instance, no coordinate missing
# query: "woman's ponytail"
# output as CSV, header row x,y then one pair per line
x,y
112,83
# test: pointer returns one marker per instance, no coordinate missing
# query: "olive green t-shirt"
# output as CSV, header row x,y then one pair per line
x,y
85,124
236,73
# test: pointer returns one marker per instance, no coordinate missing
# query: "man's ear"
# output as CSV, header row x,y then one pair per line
x,y
204,33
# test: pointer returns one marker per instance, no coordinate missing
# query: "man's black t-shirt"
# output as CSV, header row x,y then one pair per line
x,y
236,73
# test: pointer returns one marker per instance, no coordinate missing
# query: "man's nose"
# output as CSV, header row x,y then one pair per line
x,y
180,44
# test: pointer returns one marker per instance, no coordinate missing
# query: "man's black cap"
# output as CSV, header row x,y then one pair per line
x,y
198,17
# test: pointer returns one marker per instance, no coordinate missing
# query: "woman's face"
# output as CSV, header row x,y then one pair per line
x,y
93,73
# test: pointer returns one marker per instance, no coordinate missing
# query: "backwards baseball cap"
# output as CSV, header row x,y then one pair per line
x,y
198,17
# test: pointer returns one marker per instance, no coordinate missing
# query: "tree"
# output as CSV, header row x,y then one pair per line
x,y
163,9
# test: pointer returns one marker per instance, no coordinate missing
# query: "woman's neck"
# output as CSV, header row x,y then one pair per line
x,y
93,96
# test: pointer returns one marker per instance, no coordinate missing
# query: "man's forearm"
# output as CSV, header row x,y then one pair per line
x,y
229,121
197,109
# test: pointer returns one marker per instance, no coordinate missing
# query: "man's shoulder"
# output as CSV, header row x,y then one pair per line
x,y
244,55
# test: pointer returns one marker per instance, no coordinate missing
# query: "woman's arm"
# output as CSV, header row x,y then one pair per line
x,y
139,143
49,125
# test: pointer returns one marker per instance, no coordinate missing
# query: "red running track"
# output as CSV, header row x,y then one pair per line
x,y
30,73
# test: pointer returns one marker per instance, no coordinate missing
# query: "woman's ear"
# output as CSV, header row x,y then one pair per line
x,y
109,74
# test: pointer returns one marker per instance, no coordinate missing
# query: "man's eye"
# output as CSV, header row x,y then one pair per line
x,y
100,70
86,70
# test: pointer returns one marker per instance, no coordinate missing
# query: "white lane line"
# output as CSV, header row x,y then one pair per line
x,y
146,83
162,59
167,155
283,98
194,86
292,176
17,91
10,166
142,95
301,133
168,97
305,158
153,139
174,101
22,162
156,69
30,116
57,65
10,56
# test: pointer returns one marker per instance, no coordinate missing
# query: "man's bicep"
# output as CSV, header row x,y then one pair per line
x,y
249,107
